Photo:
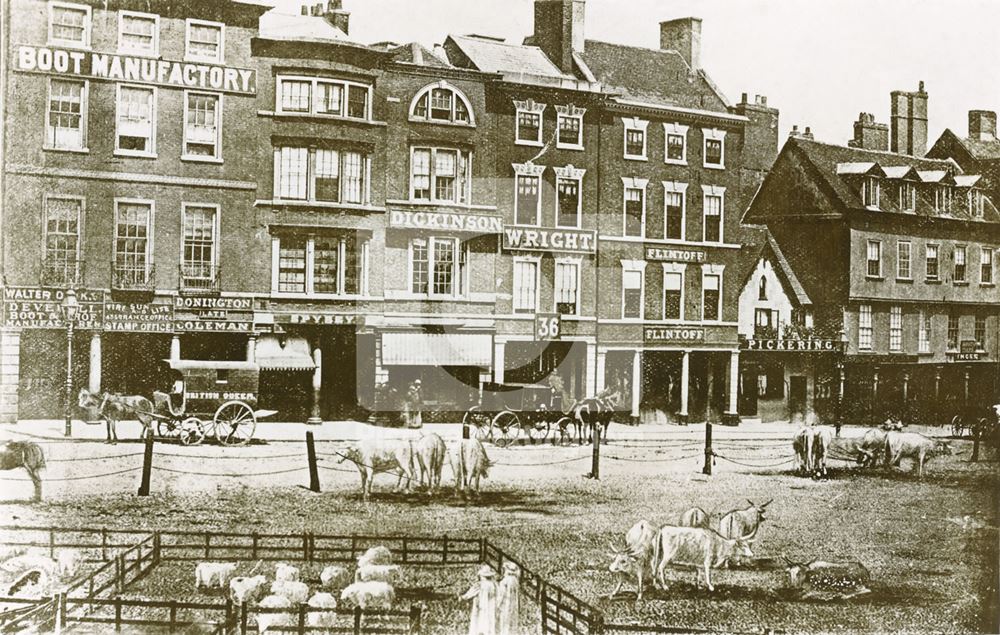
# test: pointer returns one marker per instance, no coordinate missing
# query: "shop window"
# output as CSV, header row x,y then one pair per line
x,y
310,95
204,41
865,327
959,258
440,174
441,103
525,285
437,266
66,121
136,121
138,33
774,383
567,282
321,175
69,25
202,132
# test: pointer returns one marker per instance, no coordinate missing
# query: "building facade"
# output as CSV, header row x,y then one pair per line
x,y
352,218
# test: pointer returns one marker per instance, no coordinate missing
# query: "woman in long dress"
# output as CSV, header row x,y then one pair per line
x,y
482,620
509,601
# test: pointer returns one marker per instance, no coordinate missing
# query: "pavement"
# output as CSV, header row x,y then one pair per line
x,y
275,431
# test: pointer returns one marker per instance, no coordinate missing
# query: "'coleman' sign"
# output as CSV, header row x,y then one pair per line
x,y
446,221
812,345
142,70
669,254
520,238
673,334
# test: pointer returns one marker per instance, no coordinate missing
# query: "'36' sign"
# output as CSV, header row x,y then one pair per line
x,y
548,326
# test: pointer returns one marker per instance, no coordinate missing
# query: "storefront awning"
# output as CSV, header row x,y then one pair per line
x,y
294,355
437,349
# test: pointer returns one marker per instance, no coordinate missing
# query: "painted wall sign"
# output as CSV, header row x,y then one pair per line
x,y
138,317
316,319
812,345
521,238
968,357
213,326
208,304
446,221
968,346
670,254
141,70
42,308
673,334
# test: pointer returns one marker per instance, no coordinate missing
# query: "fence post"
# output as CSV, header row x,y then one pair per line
x,y
405,554
52,543
104,544
302,618
444,550
595,461
119,572
59,600
415,614
118,614
707,469
147,465
975,442
354,545
156,547
313,467
173,615
596,624
243,618
357,620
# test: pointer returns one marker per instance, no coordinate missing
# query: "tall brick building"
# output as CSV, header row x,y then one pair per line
x,y
353,217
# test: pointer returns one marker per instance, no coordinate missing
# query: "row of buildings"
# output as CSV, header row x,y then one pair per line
x,y
217,183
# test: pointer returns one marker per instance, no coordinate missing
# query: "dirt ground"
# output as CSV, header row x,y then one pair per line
x,y
932,570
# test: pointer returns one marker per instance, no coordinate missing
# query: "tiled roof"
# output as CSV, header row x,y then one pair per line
x,y
757,242
492,56
651,75
276,25
967,180
982,150
789,274
415,53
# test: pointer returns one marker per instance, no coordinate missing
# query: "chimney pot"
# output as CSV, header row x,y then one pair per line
x,y
305,9
744,100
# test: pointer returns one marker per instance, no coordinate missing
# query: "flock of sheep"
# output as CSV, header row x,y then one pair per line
x,y
35,575
369,587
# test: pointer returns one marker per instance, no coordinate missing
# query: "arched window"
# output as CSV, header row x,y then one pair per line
x,y
444,103
762,289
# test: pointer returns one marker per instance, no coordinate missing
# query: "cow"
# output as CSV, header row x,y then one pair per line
x,y
636,559
469,462
800,445
872,447
818,444
372,456
846,578
695,517
900,445
694,547
114,407
744,523
430,452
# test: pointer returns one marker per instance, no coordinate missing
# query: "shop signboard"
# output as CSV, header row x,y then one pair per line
x,y
316,319
138,317
213,315
548,327
575,241
673,334
39,308
674,254
446,221
812,345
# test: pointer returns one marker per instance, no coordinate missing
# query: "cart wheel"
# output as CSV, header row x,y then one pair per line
x,y
234,423
192,431
539,430
956,426
167,428
504,428
565,429
479,421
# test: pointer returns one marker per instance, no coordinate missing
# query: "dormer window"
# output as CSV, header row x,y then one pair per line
x,y
870,192
976,203
442,103
942,198
907,196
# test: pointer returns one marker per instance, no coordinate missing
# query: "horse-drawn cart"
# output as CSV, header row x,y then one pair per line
x,y
507,410
216,399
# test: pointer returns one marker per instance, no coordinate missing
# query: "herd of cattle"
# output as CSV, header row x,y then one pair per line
x,y
693,543
814,444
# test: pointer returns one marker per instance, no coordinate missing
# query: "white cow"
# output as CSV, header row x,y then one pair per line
x,y
910,445
430,452
469,462
636,559
695,547
373,456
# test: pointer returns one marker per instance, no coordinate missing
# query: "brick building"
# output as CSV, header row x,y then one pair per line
x,y
353,217
896,258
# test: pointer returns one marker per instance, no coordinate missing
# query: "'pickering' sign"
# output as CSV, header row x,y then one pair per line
x,y
142,70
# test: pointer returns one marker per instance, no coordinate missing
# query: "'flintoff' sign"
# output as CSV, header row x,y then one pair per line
x,y
673,334
142,70
521,238
669,254
446,221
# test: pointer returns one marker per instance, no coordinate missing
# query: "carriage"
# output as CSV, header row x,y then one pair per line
x,y
216,399
506,411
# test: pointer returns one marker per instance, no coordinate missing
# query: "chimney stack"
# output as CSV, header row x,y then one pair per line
x,y
908,122
982,125
559,30
802,134
684,36
869,134
332,11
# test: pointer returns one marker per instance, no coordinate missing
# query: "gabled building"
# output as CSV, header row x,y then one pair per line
x,y
897,255
976,153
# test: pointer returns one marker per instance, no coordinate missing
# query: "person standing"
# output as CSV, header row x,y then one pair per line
x,y
509,601
482,619
413,404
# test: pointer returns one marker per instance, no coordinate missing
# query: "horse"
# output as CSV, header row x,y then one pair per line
x,y
113,407
594,411
15,454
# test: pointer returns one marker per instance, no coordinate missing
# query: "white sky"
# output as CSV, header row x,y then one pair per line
x,y
819,62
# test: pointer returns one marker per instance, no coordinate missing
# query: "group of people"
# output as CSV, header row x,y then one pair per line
x,y
495,607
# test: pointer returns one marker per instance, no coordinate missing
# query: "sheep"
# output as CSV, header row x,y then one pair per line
x,y
213,574
377,573
297,592
243,589
326,619
334,576
267,620
375,555
369,595
17,564
283,571
68,562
